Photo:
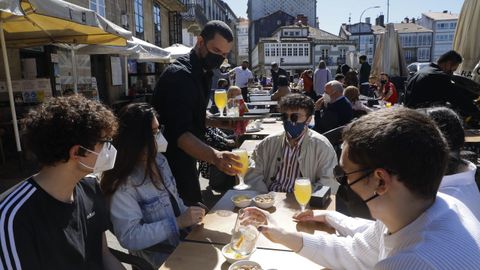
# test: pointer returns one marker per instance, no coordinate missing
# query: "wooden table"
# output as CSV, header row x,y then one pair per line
x,y
267,129
472,136
220,220
250,145
190,255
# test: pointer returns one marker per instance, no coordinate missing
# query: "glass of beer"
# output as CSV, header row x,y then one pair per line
x,y
242,153
302,191
220,98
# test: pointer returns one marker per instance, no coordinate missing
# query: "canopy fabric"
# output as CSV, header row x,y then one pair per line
x,y
389,56
40,22
135,49
467,39
177,50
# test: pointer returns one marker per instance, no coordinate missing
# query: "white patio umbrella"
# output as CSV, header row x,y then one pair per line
x,y
389,56
177,50
27,23
136,49
467,39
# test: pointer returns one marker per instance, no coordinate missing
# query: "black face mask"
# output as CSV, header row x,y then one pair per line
x,y
212,60
383,81
244,68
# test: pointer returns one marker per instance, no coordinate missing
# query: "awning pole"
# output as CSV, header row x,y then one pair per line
x,y
9,88
74,71
126,73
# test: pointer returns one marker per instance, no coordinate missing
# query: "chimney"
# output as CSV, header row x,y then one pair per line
x,y
414,20
445,11
407,20
367,20
380,21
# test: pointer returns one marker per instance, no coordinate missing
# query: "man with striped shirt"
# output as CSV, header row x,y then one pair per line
x,y
295,152
56,219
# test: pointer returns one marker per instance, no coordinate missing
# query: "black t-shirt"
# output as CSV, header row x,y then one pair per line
x,y
432,87
39,232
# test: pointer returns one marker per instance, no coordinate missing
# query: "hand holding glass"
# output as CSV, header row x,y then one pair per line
x,y
302,191
242,153
245,233
220,98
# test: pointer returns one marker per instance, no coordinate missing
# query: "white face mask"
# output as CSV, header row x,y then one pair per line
x,y
326,98
161,143
105,159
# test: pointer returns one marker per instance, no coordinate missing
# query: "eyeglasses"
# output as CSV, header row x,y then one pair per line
x,y
342,177
293,117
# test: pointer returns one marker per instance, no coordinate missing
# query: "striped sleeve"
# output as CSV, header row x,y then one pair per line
x,y
14,240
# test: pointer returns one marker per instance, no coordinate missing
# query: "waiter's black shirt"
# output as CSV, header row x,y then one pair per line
x,y
181,97
431,86
40,232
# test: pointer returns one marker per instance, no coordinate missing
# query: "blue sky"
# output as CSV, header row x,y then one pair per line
x,y
333,13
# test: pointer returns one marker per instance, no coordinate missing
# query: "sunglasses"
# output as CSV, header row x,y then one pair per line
x,y
293,117
342,177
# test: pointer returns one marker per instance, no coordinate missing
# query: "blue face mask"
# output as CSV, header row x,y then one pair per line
x,y
294,129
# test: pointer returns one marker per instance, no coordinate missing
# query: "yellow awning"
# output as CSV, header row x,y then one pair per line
x,y
55,21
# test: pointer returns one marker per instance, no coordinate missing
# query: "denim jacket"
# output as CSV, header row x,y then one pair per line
x,y
142,215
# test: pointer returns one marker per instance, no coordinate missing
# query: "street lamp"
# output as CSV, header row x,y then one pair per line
x,y
359,24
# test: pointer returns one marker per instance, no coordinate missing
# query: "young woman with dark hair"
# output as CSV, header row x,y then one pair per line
x,y
145,208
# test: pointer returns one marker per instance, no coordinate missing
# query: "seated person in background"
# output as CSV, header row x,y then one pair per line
x,y
339,77
296,152
145,208
415,228
388,92
57,218
283,88
351,78
235,98
307,77
459,179
334,110
373,86
352,94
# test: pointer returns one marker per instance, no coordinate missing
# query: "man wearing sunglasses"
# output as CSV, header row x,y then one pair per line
x,y
295,152
394,161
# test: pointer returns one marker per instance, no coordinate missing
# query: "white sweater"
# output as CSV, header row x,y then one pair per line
x,y
446,236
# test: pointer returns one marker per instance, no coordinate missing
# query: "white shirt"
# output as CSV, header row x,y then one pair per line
x,y
445,236
463,187
242,76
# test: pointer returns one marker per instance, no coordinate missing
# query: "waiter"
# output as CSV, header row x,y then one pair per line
x,y
181,97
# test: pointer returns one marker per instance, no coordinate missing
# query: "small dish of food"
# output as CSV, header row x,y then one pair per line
x,y
241,201
245,265
264,200
233,256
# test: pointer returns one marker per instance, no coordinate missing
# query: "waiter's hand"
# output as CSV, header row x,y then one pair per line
x,y
227,162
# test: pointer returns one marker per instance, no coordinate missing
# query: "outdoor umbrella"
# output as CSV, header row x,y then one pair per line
x,y
136,49
26,23
389,55
467,39
177,50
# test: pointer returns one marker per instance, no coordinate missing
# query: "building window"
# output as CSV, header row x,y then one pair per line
x,y
138,14
284,51
423,54
289,52
300,50
98,6
306,50
324,54
295,51
267,51
157,24
343,53
174,27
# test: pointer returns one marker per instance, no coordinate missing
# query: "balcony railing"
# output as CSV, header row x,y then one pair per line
x,y
194,12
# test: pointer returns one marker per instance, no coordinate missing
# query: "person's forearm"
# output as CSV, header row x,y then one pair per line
x,y
293,240
196,148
